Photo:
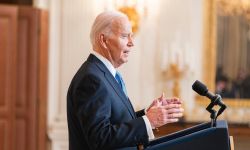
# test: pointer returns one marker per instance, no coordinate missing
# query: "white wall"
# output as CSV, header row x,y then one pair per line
x,y
181,28
169,26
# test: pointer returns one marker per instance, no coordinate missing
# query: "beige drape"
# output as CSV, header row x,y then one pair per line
x,y
233,45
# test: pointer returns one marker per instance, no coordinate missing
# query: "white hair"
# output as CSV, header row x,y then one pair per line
x,y
102,24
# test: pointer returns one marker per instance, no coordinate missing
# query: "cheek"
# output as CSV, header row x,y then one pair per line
x,y
118,44
118,47
123,44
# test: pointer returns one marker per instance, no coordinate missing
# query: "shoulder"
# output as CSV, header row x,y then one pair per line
x,y
87,76
88,73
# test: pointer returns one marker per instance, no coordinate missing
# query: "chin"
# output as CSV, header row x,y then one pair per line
x,y
125,60
122,61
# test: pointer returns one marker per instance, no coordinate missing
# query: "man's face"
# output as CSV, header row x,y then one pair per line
x,y
119,42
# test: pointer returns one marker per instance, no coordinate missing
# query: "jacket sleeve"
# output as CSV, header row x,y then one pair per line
x,y
93,109
140,113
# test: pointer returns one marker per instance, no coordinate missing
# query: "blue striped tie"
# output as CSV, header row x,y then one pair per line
x,y
118,78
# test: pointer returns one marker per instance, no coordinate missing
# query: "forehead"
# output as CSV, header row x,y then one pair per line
x,y
121,25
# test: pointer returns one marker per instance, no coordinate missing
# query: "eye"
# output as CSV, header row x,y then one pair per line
x,y
124,35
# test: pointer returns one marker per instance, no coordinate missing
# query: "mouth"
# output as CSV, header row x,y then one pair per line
x,y
126,51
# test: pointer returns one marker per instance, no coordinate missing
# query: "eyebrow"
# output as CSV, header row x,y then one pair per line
x,y
130,33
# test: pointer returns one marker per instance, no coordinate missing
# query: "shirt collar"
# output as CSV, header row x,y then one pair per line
x,y
106,62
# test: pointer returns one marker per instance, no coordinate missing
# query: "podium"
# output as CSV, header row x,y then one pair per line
x,y
200,137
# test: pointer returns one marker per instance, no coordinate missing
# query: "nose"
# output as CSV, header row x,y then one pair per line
x,y
130,41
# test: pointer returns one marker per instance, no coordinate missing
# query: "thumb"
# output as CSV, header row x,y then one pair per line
x,y
162,96
160,99
157,102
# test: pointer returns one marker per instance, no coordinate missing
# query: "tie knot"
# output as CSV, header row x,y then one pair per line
x,y
118,77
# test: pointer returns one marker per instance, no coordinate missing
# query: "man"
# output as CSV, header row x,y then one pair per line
x,y
100,115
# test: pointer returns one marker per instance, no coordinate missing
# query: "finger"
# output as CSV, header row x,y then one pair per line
x,y
175,115
174,100
158,103
154,103
171,120
174,110
162,97
169,106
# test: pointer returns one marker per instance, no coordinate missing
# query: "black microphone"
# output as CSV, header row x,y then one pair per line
x,y
201,89
216,99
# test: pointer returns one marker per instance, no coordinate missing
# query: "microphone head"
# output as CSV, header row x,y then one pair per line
x,y
200,88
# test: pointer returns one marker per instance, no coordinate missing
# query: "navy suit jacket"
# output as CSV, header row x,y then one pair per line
x,y
100,116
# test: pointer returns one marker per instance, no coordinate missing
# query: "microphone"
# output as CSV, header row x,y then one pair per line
x,y
216,99
201,89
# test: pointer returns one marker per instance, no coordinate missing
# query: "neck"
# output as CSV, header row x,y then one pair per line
x,y
105,53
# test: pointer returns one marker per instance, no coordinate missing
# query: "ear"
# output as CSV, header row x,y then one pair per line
x,y
103,41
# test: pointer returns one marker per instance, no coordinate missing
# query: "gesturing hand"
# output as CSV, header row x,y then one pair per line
x,y
163,111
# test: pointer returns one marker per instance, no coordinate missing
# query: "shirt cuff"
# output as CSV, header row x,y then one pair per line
x,y
145,111
149,128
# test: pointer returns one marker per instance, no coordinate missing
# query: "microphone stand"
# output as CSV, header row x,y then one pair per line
x,y
217,100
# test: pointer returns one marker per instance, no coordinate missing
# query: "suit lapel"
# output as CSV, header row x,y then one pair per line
x,y
121,94
114,84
